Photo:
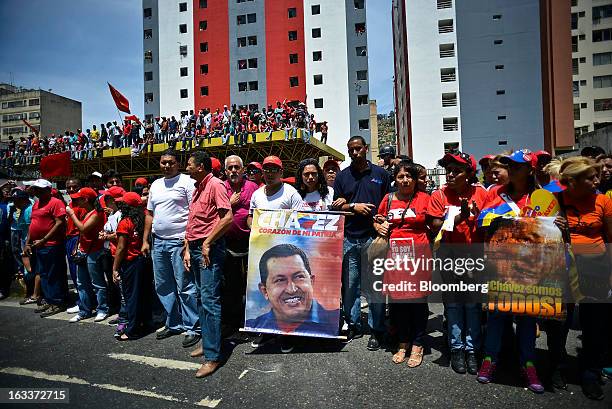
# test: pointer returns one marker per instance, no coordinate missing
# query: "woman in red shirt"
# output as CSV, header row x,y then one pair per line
x,y
401,215
129,264
91,284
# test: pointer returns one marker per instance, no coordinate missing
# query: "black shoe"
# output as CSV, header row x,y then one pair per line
x,y
166,333
262,339
191,340
351,334
54,309
43,307
592,390
472,363
287,344
373,343
557,378
458,361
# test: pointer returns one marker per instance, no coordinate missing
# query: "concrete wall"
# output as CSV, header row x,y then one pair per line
x,y
601,137
152,44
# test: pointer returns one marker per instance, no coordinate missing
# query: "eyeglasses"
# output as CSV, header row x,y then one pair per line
x,y
271,170
253,171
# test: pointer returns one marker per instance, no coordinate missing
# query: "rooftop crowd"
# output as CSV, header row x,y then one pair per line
x,y
193,130
181,243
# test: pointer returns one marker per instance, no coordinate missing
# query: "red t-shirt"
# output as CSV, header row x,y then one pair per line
x,y
43,220
89,242
466,231
71,229
134,240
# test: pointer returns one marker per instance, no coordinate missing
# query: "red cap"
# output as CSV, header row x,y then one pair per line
x,y
130,199
141,182
115,192
458,157
85,193
331,163
485,159
542,153
256,165
273,160
216,164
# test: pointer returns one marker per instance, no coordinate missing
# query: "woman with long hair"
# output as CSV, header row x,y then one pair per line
x,y
311,185
129,264
401,217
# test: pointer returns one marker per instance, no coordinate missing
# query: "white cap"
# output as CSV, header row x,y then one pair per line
x,y
96,174
41,183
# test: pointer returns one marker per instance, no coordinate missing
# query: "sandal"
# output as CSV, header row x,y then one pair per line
x,y
123,337
416,356
400,355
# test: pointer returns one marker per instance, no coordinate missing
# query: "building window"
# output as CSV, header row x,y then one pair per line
x,y
445,4
242,41
316,33
445,26
148,12
497,17
575,89
241,19
292,35
148,56
203,25
581,37
583,83
501,117
251,18
574,21
501,92
148,33
315,9
451,147
362,75
576,112
502,143
317,56
318,79
449,99
294,82
362,99
242,64
34,115
582,60
602,81
293,58
448,75
184,93
148,76
364,124
499,67
574,44
252,40
583,105
183,28
34,102
183,50
601,12
602,58
148,97
575,69
318,103
184,71
204,91
604,104
447,50
252,62
360,28
182,7
204,69
498,42
292,12
204,47
361,51
253,86
359,4
203,4
242,87
450,124
602,35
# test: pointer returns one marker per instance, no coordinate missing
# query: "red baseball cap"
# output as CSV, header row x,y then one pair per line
x,y
130,199
115,192
273,160
458,157
216,164
85,193
542,153
331,163
141,182
485,159
255,165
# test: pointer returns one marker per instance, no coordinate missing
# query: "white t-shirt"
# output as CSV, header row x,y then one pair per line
x,y
169,201
313,201
111,226
286,198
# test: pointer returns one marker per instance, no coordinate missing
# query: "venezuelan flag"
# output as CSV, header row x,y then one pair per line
x,y
487,215
554,186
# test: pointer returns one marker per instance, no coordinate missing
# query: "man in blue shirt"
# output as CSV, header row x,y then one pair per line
x,y
362,186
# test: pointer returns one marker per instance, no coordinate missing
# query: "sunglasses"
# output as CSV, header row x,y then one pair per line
x,y
253,171
271,170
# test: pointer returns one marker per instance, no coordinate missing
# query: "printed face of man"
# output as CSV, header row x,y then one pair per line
x,y
288,288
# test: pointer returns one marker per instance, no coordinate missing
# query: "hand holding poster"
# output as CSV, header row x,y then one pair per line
x,y
294,278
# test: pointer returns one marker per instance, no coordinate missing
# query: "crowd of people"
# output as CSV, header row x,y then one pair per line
x,y
192,129
182,242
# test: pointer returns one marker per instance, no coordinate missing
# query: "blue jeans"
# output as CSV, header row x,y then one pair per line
x,y
175,287
525,334
91,284
51,267
463,322
71,243
353,250
17,249
209,280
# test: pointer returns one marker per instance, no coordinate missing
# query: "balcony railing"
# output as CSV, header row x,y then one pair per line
x,y
450,102
445,29
448,77
445,4
450,127
447,53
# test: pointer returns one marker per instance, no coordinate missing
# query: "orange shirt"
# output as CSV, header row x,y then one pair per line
x,y
587,222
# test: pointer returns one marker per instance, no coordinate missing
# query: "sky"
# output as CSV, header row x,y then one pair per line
x,y
73,47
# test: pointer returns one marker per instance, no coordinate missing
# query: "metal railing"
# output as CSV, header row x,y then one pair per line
x,y
448,77
447,53
449,102
448,28
445,4
450,127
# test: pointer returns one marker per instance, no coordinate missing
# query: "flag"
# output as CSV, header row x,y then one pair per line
x,y
122,102
30,126
55,165
133,118
487,215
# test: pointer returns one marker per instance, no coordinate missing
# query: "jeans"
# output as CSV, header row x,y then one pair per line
x,y
16,249
525,334
306,134
353,250
463,321
71,243
595,338
91,284
410,319
209,279
51,267
133,282
175,287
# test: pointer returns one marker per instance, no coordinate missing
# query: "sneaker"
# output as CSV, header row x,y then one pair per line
x,y
73,310
28,300
458,361
76,318
592,390
533,382
373,343
165,333
287,344
472,363
607,372
351,334
261,339
485,375
101,316
52,310
557,379
44,306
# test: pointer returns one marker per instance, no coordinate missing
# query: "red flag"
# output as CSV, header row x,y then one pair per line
x,y
133,118
122,102
55,165
30,126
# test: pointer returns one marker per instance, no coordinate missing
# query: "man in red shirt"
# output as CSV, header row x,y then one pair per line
x,y
46,241
210,215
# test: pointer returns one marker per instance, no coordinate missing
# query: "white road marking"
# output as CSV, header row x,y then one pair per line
x,y
42,375
243,373
209,403
157,362
62,316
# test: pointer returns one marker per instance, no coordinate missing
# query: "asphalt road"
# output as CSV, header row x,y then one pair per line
x,y
101,372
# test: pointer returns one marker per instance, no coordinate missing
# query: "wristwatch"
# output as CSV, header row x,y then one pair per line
x,y
352,206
